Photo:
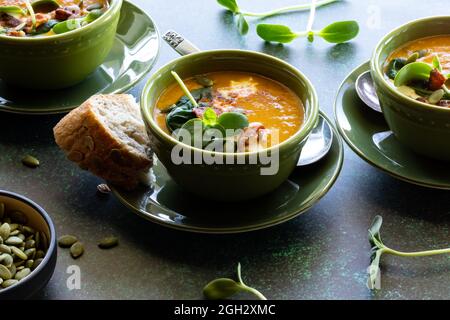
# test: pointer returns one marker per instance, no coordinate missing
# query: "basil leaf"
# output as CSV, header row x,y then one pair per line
x,y
415,71
276,33
233,121
339,32
220,289
209,117
230,5
242,24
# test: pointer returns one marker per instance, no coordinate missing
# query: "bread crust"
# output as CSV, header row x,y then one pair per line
x,y
94,147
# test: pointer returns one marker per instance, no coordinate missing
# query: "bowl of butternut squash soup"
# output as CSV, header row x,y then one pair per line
x,y
53,44
229,125
411,72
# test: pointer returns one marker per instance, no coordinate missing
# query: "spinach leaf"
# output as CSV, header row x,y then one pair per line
x,y
178,117
182,111
394,67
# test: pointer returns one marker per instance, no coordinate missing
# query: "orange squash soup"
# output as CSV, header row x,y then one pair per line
x,y
420,69
266,106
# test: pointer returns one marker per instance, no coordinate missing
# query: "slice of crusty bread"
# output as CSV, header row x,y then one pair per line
x,y
106,135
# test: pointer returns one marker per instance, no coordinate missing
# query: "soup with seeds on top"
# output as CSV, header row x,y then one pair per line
x,y
268,106
47,17
421,70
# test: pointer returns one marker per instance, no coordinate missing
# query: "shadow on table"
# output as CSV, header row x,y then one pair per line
x,y
407,200
26,129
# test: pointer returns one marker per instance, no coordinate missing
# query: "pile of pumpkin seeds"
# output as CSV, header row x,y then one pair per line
x,y
22,248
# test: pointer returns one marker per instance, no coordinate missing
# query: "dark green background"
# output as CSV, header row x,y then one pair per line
x,y
320,255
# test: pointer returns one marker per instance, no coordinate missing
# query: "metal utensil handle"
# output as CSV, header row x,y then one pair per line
x,y
179,43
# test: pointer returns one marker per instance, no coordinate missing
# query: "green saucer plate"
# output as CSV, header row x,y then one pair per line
x,y
135,51
167,204
367,133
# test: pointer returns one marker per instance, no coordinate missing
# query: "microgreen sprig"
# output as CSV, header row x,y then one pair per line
x,y
184,88
242,24
379,248
337,32
224,288
31,12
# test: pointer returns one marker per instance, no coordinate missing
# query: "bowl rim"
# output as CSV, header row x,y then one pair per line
x,y
377,71
114,7
308,125
52,241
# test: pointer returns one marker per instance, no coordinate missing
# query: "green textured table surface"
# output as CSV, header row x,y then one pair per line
x,y
320,255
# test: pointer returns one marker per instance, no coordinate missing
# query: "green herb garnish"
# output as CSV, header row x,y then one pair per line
x,y
242,24
31,12
224,288
72,24
337,32
14,11
379,248
416,71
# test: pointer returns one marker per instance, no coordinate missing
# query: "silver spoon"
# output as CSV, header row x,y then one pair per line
x,y
366,91
319,142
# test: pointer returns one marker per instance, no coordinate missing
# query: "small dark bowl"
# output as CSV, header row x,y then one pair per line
x,y
39,220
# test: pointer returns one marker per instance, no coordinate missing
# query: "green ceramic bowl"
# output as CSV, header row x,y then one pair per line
x,y
58,61
229,182
423,128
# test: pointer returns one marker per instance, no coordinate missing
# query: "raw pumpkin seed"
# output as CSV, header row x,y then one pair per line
x,y
22,273
67,241
14,241
30,161
108,242
37,262
22,248
30,244
77,250
4,248
9,283
30,253
19,253
29,263
6,260
13,270
5,230
39,254
5,274
28,230
44,241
